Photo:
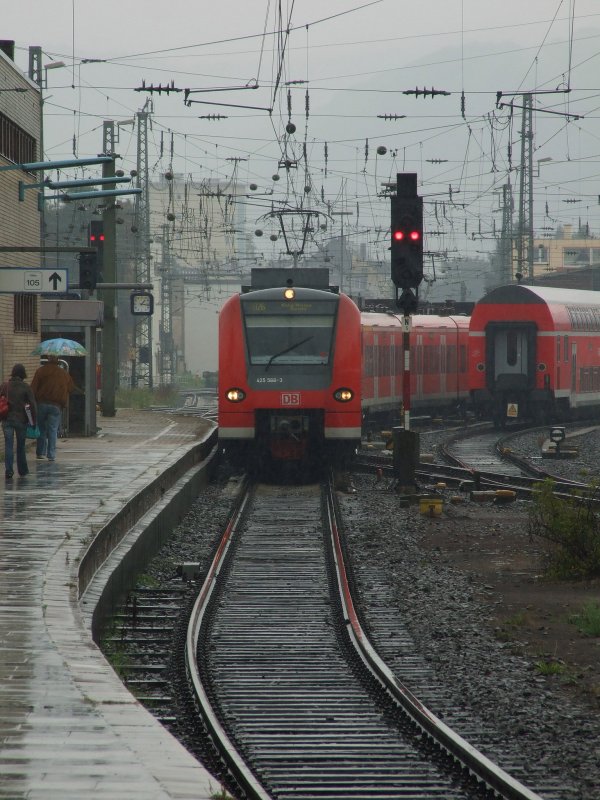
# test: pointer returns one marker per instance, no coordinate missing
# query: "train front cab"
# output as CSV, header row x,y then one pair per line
x,y
296,362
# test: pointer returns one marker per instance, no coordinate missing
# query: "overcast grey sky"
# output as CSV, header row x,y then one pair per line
x,y
356,60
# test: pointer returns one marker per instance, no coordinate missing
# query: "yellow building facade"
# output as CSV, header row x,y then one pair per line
x,y
565,253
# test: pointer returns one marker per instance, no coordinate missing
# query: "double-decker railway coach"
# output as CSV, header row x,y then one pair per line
x,y
534,353
438,363
289,372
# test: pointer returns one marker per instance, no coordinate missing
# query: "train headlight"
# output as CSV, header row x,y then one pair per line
x,y
235,395
343,395
289,293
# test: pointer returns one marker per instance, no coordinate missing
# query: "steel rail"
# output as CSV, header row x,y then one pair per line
x,y
479,765
228,751
451,474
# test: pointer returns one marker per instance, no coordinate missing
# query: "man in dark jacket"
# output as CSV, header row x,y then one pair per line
x,y
19,395
51,385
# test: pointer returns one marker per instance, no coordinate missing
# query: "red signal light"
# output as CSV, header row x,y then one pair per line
x,y
400,236
93,237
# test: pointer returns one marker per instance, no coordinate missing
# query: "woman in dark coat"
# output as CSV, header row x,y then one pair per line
x,y
19,394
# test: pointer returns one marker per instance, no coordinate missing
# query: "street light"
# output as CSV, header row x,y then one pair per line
x,y
51,65
542,161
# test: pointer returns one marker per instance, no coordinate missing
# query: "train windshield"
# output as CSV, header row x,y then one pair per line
x,y
278,339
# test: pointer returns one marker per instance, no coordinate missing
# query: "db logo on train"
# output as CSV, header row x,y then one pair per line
x,y
290,398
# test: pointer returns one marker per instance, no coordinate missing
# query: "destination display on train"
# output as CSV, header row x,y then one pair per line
x,y
308,307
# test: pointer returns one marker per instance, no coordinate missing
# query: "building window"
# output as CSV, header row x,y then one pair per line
x,y
25,313
15,144
576,256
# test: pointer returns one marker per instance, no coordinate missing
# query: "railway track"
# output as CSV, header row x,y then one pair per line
x,y
479,459
298,702
147,653
492,461
481,452
139,645
199,403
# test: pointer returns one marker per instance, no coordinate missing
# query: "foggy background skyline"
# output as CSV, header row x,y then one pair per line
x,y
339,72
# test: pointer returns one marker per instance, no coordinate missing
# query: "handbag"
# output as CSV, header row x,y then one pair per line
x,y
31,431
3,407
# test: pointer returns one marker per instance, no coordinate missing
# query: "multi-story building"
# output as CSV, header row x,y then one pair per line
x,y
565,253
20,137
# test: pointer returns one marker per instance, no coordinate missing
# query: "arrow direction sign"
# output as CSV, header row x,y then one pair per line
x,y
36,281
55,279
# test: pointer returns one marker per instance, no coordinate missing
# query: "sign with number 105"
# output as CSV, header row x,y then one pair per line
x,y
33,281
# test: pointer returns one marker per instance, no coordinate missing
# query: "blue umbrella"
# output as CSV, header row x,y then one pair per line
x,y
59,347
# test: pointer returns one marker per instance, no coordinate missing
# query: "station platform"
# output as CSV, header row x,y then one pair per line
x,y
68,727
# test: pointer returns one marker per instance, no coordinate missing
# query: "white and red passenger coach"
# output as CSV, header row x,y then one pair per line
x,y
534,353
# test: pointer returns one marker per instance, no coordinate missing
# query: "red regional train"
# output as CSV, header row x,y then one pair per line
x,y
438,363
534,353
299,367
289,374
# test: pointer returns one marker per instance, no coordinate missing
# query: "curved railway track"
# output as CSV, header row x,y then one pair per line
x,y
490,458
480,459
481,451
296,699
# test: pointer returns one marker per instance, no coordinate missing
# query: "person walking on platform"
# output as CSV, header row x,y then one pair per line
x,y
19,395
51,385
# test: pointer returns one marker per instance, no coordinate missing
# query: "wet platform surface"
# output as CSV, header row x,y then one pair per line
x,y
68,728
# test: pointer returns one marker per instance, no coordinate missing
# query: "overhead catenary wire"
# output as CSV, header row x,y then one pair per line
x,y
201,154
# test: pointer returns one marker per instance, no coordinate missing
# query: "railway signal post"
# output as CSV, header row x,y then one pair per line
x,y
406,248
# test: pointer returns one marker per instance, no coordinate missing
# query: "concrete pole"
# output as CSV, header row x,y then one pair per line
x,y
110,365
